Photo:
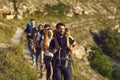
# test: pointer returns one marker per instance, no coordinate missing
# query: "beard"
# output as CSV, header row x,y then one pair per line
x,y
61,33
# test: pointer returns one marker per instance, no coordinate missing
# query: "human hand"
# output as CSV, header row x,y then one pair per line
x,y
55,50
50,78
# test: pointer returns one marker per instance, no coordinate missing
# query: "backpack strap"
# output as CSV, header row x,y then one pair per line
x,y
67,34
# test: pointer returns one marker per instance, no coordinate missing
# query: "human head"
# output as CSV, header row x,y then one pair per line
x,y
40,27
33,22
48,29
47,26
60,27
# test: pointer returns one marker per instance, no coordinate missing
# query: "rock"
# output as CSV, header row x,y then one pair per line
x,y
19,16
111,17
78,10
117,26
10,16
3,45
70,13
80,52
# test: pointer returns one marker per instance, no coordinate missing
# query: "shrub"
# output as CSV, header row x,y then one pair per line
x,y
116,74
100,62
110,43
57,10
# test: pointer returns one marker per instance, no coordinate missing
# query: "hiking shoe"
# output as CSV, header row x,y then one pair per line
x,y
38,68
34,64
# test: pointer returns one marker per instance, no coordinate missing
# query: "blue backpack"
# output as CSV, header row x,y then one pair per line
x,y
28,26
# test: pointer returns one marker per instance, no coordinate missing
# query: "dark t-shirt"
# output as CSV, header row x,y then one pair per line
x,y
62,42
32,31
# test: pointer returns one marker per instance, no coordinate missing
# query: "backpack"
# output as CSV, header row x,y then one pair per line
x,y
48,35
67,34
28,26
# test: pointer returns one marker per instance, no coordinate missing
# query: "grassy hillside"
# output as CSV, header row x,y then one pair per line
x,y
12,60
13,65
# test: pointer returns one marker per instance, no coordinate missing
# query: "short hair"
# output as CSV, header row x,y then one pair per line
x,y
32,19
59,24
47,25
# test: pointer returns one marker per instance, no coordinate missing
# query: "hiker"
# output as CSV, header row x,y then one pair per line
x,y
62,46
28,27
39,39
48,55
29,24
31,33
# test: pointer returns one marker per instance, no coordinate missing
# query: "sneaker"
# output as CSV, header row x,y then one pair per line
x,y
38,68
34,64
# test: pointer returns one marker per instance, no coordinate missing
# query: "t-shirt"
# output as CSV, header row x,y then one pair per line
x,y
40,38
62,42
40,35
33,31
47,53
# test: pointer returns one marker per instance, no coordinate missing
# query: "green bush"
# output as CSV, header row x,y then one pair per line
x,y
110,43
116,74
100,62
57,10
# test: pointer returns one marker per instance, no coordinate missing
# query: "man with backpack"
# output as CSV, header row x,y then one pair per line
x,y
31,32
62,53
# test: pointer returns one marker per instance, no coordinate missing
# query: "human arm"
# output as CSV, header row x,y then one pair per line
x,y
52,47
73,44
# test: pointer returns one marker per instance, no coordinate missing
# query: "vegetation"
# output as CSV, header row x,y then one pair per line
x,y
8,28
57,10
100,62
13,65
76,70
12,60
108,46
110,43
116,75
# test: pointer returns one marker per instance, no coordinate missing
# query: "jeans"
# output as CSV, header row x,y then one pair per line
x,y
47,61
33,55
31,49
37,56
62,70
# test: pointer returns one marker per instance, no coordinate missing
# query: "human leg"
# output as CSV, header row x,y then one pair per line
x,y
67,72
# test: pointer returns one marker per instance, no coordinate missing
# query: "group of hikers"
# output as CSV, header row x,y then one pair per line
x,y
51,48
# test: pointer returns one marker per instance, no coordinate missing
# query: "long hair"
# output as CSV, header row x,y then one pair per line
x,y
48,36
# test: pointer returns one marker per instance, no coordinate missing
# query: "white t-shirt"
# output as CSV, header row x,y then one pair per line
x,y
41,42
47,53
39,35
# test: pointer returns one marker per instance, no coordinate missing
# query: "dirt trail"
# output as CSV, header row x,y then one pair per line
x,y
17,37
16,40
